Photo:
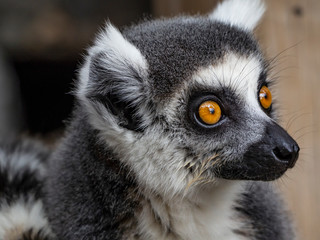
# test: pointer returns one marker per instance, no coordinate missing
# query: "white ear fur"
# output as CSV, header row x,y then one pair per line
x,y
113,65
120,55
245,14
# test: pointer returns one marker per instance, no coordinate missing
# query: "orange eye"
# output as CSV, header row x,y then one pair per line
x,y
210,112
265,97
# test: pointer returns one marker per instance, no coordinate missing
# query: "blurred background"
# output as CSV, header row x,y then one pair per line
x,y
42,43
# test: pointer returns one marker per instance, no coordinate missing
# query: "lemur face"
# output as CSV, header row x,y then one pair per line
x,y
186,101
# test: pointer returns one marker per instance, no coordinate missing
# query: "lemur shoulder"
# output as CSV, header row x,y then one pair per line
x,y
173,136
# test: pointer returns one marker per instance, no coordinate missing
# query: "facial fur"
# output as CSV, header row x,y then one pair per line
x,y
141,89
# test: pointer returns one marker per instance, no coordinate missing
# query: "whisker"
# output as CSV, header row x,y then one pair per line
x,y
305,134
302,129
275,74
283,51
249,73
292,119
234,67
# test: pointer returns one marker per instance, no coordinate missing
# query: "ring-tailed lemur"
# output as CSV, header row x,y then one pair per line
x,y
174,120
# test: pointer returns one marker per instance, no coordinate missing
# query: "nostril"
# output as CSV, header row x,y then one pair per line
x,y
288,156
283,154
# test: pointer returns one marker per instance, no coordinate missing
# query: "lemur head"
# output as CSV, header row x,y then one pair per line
x,y
185,101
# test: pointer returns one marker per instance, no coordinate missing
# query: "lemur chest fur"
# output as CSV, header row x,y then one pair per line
x,y
198,217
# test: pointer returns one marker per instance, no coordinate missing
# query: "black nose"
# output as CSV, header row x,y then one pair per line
x,y
287,154
269,158
284,148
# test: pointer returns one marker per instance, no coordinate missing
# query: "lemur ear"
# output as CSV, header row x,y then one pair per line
x,y
245,14
113,80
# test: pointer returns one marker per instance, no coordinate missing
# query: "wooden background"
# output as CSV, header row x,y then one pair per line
x,y
290,28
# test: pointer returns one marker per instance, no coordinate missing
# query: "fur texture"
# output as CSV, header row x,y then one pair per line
x,y
245,14
138,162
22,171
134,128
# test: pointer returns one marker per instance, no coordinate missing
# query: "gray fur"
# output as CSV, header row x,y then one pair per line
x,y
88,199
175,48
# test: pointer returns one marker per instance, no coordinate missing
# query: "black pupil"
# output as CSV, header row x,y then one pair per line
x,y
264,95
211,110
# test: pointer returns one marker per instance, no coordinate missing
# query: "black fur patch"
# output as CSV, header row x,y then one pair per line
x,y
32,235
260,206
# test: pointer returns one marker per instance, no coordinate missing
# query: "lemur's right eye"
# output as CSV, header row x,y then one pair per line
x,y
210,112
265,97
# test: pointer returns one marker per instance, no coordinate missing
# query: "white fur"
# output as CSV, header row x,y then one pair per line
x,y
121,53
210,217
239,73
18,162
245,14
163,173
22,216
160,171
120,57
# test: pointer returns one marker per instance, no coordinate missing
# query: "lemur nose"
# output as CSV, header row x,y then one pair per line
x,y
285,149
287,154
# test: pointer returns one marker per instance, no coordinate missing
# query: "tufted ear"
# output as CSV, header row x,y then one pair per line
x,y
113,81
245,14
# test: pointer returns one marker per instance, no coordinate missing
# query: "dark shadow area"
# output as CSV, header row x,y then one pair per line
x,y
44,43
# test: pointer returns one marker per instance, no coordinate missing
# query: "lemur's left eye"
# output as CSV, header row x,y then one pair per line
x,y
265,97
210,112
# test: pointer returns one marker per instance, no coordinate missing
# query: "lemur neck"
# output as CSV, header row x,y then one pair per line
x,y
208,216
